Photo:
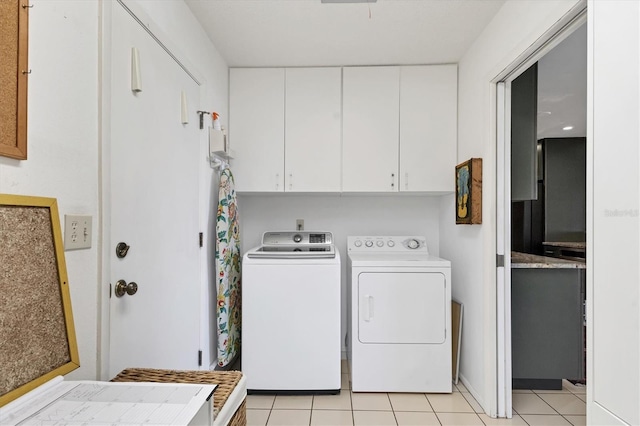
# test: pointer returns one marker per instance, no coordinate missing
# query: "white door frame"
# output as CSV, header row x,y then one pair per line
x,y
551,38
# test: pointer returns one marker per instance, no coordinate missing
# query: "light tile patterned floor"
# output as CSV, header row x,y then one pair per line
x,y
565,407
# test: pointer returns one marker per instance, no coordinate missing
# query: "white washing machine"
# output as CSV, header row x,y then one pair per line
x,y
399,304
291,301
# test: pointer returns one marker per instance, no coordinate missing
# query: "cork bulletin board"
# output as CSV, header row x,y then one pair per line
x,y
37,335
14,72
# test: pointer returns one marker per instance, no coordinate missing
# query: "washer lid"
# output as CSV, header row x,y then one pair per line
x,y
405,260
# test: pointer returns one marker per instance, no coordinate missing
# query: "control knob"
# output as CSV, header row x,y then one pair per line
x,y
391,243
368,243
380,243
357,243
413,244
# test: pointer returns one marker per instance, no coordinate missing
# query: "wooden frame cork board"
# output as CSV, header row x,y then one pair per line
x,y
14,71
37,334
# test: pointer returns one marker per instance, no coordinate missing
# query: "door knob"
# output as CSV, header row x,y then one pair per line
x,y
122,287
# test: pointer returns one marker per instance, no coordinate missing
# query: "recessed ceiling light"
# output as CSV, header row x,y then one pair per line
x,y
567,128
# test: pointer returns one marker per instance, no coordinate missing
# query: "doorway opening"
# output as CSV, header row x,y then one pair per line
x,y
533,103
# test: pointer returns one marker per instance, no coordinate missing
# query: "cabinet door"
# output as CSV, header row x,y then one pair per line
x,y
256,128
370,105
428,127
547,323
565,189
524,135
312,129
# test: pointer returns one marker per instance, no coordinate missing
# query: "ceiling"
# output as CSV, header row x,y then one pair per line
x,y
562,88
264,33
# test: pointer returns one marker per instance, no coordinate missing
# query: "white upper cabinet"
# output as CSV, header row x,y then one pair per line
x,y
428,127
312,124
355,129
256,128
370,129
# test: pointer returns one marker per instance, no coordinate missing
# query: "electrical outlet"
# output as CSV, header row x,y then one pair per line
x,y
77,232
299,224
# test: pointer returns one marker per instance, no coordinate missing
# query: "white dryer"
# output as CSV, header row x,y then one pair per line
x,y
399,305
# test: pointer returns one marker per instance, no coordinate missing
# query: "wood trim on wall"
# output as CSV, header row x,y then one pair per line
x,y
14,73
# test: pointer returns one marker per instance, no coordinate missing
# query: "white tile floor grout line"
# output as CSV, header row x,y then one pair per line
x,y
439,416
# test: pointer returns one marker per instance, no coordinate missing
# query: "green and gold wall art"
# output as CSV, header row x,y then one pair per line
x,y
469,192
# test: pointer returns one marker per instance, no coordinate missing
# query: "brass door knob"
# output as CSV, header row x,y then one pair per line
x,y
123,288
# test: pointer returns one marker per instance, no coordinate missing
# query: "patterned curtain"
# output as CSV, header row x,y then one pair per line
x,y
228,271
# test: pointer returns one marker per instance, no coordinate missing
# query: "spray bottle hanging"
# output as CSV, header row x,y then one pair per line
x,y
216,121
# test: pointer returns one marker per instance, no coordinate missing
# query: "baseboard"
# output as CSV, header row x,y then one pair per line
x,y
473,392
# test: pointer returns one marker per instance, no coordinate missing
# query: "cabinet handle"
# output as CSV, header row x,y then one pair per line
x,y
393,180
290,181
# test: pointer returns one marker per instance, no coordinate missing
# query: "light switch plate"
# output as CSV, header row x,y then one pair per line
x,y
77,232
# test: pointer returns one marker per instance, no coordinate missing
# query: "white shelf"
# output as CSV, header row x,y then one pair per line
x,y
218,146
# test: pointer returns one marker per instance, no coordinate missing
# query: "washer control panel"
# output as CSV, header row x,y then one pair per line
x,y
296,237
378,244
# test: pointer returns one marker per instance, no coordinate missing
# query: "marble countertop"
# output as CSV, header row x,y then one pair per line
x,y
580,245
529,261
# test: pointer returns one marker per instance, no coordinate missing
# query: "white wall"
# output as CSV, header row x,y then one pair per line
x,y
344,216
63,144
472,249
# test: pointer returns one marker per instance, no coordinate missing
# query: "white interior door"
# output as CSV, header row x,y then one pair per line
x,y
613,212
153,182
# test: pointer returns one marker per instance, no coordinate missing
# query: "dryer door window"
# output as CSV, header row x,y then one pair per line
x,y
397,307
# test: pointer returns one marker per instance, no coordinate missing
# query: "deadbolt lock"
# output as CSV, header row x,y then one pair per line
x,y
121,250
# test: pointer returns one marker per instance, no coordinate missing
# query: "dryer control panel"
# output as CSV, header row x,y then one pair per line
x,y
385,244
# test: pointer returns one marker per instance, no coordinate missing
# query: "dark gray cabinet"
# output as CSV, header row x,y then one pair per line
x,y
547,334
524,135
565,183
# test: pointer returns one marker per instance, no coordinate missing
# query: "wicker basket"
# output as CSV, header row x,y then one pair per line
x,y
226,381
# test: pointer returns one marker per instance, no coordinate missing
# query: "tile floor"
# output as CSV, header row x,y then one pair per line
x,y
565,407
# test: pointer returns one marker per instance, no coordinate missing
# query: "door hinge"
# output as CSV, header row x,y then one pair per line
x,y
201,239
109,290
500,260
199,358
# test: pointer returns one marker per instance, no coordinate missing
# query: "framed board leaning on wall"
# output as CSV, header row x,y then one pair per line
x,y
37,336
14,71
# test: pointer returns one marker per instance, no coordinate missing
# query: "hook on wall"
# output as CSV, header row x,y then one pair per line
x,y
26,72
27,6
201,114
